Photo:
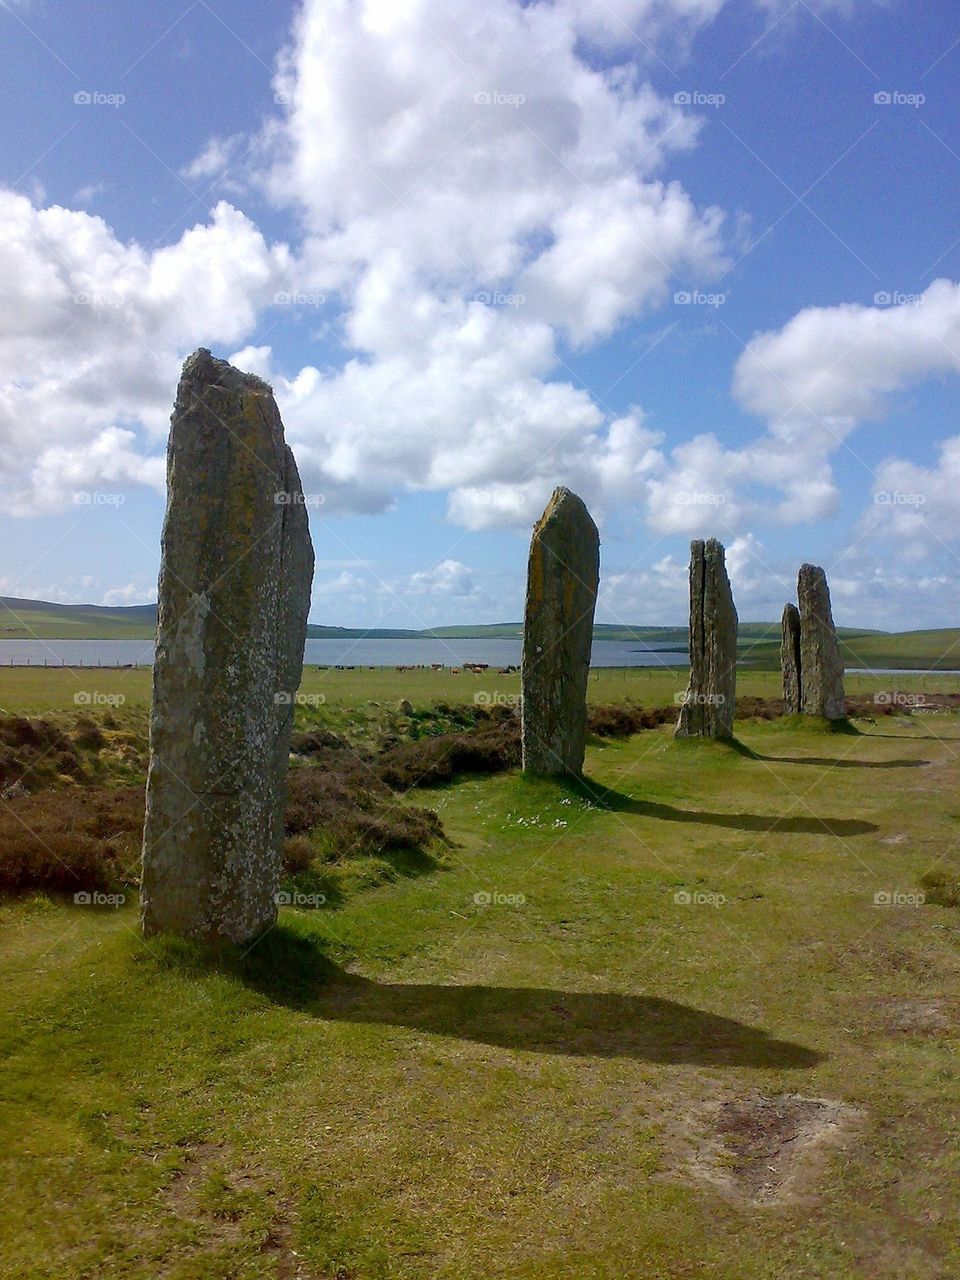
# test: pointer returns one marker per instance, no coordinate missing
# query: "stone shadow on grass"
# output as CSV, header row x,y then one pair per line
x,y
607,798
827,763
291,969
824,762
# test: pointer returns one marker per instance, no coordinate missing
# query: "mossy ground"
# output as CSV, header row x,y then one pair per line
x,y
513,1064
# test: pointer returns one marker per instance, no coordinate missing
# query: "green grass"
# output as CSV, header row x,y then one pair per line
x,y
38,689
418,1084
911,649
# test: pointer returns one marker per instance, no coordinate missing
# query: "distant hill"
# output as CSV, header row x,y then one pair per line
x,y
44,620
759,641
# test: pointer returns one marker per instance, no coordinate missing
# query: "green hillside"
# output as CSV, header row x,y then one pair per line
x,y
759,645
937,650
44,620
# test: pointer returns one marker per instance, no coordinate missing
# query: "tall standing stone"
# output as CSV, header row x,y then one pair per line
x,y
821,666
790,661
235,580
709,703
562,579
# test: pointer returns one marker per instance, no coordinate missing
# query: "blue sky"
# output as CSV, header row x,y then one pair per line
x,y
460,242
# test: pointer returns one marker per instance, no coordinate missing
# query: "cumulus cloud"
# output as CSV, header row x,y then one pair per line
x,y
816,381
449,578
92,335
372,595
475,189
470,222
840,364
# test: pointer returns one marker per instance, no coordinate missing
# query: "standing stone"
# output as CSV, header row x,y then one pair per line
x,y
562,578
790,660
710,701
235,580
821,666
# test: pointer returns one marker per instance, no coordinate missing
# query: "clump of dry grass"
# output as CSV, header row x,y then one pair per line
x,y
67,840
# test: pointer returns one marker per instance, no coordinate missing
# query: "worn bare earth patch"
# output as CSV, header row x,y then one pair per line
x,y
771,1149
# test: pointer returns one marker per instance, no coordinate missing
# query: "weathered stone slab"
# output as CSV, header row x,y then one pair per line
x,y
709,704
821,666
790,660
235,579
562,579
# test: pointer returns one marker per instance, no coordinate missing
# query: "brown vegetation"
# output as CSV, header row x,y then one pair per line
x,y
62,834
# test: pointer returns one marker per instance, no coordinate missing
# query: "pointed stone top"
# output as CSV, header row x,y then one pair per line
x,y
811,571
202,367
565,504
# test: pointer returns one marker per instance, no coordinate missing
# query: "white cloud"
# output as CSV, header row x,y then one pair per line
x,y
92,335
448,578
915,507
476,187
816,381
448,591
132,593
616,23
87,194
474,190
840,364
217,156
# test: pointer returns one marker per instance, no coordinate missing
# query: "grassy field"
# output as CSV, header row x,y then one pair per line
x,y
38,689
693,1020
